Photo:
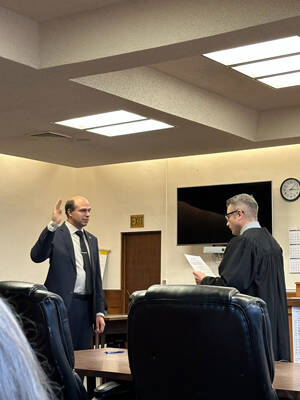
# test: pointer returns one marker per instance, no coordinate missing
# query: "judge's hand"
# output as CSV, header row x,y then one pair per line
x,y
198,276
100,324
57,212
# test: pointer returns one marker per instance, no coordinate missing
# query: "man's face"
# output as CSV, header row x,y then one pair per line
x,y
233,220
80,216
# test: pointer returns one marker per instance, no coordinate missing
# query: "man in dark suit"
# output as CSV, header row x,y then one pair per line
x,y
74,270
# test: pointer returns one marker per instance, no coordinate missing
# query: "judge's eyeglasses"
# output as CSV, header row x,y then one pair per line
x,y
227,216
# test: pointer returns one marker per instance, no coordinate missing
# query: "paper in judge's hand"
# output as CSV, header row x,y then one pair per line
x,y
197,264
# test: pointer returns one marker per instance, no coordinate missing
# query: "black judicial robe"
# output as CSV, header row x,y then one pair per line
x,y
253,264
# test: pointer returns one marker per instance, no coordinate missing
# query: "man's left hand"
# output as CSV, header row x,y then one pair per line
x,y
100,324
199,276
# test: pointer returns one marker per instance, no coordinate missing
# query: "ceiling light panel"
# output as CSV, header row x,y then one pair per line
x,y
132,127
257,51
103,119
281,81
270,67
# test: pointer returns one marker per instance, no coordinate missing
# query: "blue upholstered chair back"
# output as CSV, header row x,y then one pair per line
x,y
45,323
200,342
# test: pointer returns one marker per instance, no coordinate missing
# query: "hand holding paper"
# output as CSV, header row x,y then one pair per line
x,y
199,276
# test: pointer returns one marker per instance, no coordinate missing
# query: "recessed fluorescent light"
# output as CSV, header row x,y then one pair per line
x,y
281,81
131,127
257,51
270,67
109,118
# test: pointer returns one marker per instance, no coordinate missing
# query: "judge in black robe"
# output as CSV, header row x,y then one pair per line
x,y
253,264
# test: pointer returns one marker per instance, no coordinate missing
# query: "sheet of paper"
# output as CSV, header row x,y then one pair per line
x,y
197,263
103,261
296,333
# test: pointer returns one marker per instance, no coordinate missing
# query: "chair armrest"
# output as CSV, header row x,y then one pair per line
x,y
115,390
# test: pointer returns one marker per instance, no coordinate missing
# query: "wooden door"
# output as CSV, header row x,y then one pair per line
x,y
140,262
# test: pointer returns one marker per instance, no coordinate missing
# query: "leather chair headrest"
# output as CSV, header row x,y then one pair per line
x,y
21,287
188,293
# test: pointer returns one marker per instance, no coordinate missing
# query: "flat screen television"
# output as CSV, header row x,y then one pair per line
x,y
201,210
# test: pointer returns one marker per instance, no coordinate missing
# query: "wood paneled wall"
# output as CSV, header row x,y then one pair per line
x,y
115,306
114,301
290,294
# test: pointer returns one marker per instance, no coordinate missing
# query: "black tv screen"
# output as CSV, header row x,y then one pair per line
x,y
201,210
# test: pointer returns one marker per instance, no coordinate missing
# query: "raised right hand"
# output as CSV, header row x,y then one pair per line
x,y
57,212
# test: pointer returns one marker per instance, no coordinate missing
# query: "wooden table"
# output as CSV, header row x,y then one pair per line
x,y
287,380
96,362
114,324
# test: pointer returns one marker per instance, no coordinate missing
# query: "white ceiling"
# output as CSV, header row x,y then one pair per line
x,y
65,59
46,10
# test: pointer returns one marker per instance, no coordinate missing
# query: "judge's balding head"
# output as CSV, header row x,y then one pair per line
x,y
247,203
241,209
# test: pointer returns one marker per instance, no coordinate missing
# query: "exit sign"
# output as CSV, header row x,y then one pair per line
x,y
137,221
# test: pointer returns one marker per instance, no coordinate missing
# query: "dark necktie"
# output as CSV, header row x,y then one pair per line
x,y
86,264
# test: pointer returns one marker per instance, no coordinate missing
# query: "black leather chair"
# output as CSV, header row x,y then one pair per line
x,y
200,342
45,323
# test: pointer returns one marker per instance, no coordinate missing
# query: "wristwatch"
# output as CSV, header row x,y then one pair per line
x,y
52,226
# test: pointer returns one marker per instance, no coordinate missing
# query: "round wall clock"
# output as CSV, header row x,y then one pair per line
x,y
290,189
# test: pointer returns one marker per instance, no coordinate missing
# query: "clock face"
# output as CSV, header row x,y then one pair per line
x,y
290,189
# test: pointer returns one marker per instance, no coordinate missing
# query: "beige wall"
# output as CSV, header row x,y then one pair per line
x,y
116,192
149,188
30,188
273,164
28,191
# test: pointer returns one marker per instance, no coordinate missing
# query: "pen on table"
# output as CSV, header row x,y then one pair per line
x,y
114,351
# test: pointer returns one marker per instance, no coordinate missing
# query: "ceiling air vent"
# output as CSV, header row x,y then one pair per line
x,y
50,135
